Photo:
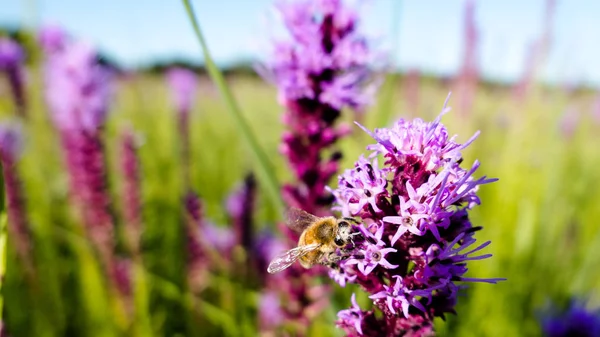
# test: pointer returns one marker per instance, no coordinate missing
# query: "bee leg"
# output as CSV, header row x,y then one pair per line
x,y
351,240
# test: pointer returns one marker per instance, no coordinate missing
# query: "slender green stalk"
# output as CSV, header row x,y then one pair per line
x,y
261,160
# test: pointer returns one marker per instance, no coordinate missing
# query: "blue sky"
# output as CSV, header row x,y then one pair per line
x,y
426,33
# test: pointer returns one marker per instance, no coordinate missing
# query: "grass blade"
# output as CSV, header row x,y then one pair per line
x,y
264,167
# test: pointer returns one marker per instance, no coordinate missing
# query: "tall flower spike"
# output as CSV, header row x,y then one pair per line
x,y
240,206
321,70
132,205
416,237
183,84
78,93
11,63
11,140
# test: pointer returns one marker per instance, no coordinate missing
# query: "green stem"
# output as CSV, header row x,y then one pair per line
x,y
261,160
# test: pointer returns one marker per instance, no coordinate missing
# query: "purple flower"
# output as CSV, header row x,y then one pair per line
x,y
576,320
374,252
11,54
132,204
399,296
78,93
240,206
11,144
416,237
351,318
78,89
11,62
269,309
319,71
52,38
183,83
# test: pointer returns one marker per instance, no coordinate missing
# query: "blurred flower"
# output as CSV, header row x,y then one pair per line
x,y
240,207
569,122
12,58
197,255
132,207
78,89
78,93
11,142
321,70
414,211
269,308
183,84
122,276
576,320
52,38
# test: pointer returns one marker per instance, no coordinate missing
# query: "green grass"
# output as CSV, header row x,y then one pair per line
x,y
542,216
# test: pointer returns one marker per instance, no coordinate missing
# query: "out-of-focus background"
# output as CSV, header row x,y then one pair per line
x,y
524,73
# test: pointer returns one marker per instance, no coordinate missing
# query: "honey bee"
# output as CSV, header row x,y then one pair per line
x,y
320,238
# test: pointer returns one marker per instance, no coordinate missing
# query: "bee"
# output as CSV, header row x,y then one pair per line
x,y
320,238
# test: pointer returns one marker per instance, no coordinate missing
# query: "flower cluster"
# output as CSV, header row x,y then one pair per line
x,y
12,58
416,236
11,143
78,92
321,70
132,199
182,84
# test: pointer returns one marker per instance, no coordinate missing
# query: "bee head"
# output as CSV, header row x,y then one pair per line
x,y
343,233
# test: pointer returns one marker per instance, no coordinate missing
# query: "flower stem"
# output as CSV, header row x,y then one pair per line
x,y
261,160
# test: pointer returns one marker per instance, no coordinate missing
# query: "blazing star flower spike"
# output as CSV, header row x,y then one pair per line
x,y
416,237
183,84
12,58
321,69
78,89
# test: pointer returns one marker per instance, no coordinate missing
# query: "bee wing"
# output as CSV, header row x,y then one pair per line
x,y
298,219
287,258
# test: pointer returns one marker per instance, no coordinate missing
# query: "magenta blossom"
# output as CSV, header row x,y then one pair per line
x,y
416,237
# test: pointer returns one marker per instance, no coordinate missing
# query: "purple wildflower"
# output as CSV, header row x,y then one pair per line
x,y
576,320
78,93
197,252
321,70
270,314
240,207
183,84
351,318
416,236
11,63
52,38
132,204
11,141
374,253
